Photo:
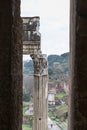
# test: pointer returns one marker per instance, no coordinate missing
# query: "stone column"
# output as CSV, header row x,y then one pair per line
x,y
40,121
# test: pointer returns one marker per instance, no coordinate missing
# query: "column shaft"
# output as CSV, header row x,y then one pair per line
x,y
40,102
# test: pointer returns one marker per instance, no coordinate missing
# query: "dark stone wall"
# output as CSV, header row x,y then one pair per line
x,y
78,65
10,65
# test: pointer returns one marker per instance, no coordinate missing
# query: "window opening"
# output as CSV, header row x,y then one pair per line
x,y
58,59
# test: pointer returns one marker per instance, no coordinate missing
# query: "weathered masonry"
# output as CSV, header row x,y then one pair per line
x,y
32,46
11,65
78,65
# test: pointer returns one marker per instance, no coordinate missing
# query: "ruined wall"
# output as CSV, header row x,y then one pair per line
x,y
78,65
10,66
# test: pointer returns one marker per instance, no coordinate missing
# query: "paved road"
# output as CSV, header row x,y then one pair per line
x,y
54,126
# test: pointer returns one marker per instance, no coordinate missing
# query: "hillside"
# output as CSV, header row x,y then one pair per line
x,y
57,65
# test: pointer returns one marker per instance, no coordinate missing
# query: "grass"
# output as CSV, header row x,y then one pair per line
x,y
25,105
26,127
61,95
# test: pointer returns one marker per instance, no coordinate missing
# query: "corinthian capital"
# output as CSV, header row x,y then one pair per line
x,y
40,63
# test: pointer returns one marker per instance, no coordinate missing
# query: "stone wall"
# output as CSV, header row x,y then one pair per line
x,y
10,66
78,65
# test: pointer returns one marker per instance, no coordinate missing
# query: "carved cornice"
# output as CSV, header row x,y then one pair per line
x,y
32,44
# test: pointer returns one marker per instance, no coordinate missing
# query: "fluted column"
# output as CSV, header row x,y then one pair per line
x,y
40,121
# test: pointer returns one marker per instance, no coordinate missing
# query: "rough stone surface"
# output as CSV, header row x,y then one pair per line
x,y
31,34
10,66
78,65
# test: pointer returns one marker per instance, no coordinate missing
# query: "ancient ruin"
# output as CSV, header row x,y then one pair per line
x,y
32,47
11,65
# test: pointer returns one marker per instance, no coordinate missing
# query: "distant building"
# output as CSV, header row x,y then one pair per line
x,y
51,97
28,114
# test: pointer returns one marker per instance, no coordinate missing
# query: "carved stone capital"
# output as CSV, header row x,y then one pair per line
x,y
40,63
